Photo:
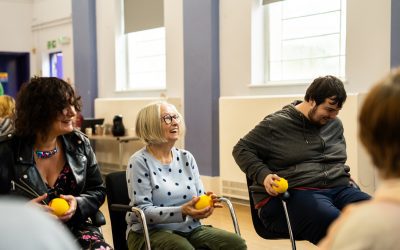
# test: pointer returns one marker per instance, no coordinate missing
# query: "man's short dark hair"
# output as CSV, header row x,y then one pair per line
x,y
326,87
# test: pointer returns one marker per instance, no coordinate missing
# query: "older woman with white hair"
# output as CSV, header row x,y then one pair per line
x,y
164,182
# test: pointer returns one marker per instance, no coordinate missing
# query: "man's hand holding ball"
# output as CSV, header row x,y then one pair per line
x,y
275,185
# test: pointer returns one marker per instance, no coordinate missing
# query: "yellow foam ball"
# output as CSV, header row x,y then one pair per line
x,y
59,206
282,185
203,202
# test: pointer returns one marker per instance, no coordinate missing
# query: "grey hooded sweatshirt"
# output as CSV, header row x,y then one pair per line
x,y
286,143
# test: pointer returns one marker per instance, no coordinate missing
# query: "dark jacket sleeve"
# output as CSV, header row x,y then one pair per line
x,y
250,151
92,190
6,161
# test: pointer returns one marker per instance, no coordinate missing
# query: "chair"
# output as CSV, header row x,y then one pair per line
x,y
118,205
118,200
98,219
259,226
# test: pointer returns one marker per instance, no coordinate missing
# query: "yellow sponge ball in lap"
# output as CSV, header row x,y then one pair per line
x,y
59,206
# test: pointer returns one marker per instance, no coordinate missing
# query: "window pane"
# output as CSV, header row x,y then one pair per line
x,y
274,30
304,39
305,69
314,25
296,8
146,59
311,47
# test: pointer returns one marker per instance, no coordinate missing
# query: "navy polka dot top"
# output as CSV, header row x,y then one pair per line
x,y
160,190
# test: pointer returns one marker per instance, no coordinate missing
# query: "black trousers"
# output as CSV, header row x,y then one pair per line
x,y
310,211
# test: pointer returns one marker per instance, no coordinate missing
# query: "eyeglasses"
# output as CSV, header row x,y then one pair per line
x,y
168,118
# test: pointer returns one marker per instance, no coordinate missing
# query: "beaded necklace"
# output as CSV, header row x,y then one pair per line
x,y
46,154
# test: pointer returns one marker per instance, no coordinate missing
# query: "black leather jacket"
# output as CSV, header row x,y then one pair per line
x,y
19,174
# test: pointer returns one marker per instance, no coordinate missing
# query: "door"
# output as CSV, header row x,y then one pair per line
x,y
14,71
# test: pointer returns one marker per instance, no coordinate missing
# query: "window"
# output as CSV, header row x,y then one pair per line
x,y
146,59
141,59
56,64
304,39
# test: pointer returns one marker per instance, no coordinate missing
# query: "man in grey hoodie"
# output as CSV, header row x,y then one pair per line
x,y
304,144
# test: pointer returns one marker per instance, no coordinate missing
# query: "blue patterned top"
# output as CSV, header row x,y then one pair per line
x,y
160,190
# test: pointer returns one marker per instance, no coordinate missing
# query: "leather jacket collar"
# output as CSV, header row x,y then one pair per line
x,y
19,176
26,173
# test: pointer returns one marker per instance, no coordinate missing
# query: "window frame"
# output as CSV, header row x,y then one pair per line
x,y
123,84
130,86
265,68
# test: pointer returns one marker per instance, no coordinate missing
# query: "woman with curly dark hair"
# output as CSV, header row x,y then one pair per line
x,y
47,158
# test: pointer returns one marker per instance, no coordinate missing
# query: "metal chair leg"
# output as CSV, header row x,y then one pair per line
x,y
292,240
233,214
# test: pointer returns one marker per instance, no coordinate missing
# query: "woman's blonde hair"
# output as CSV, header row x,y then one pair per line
x,y
148,123
7,106
380,122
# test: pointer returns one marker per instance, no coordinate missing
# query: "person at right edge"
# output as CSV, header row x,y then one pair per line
x,y
373,225
304,144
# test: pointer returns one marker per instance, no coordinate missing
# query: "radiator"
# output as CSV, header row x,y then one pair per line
x,y
234,189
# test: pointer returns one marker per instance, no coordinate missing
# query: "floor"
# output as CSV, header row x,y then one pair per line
x,y
220,219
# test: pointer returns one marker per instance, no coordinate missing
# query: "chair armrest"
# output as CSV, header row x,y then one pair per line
x,y
233,214
121,208
139,213
257,189
98,219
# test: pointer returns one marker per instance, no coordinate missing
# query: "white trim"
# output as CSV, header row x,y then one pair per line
x,y
280,83
140,90
302,82
52,23
265,2
17,1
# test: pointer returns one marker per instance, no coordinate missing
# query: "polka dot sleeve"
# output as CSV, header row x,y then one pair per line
x,y
160,189
195,172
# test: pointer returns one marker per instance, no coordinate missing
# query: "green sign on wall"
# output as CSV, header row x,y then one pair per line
x,y
51,44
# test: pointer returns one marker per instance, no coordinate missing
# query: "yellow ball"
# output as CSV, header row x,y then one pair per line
x,y
282,185
59,205
203,202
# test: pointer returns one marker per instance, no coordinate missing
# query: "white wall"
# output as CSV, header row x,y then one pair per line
x,y
368,43
15,23
48,26
46,11
27,26
15,26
